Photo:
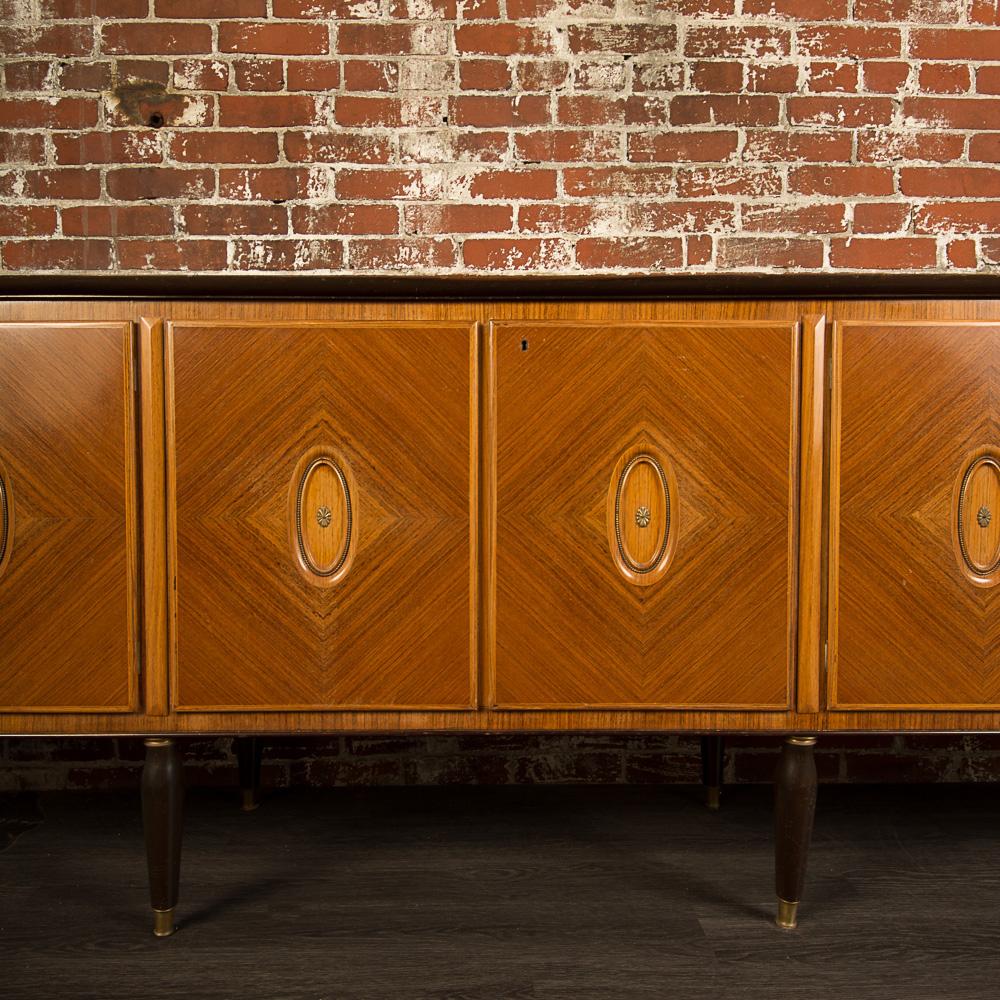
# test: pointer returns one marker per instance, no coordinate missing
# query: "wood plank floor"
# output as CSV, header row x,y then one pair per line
x,y
505,892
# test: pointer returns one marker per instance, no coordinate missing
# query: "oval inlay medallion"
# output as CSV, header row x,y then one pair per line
x,y
978,531
641,516
323,511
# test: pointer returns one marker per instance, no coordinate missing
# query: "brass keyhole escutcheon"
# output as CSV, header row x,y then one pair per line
x,y
324,516
642,517
984,517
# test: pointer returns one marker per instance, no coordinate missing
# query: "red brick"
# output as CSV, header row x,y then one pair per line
x,y
336,147
617,182
825,77
900,253
388,112
27,220
950,182
359,74
264,184
445,219
484,74
985,12
717,77
988,79
957,217
274,38
400,255
26,76
318,9
734,252
21,147
777,218
623,39
565,146
215,10
200,74
85,76
658,76
545,217
515,255
117,220
345,220
588,110
487,112
262,75
57,255
643,109
503,39
944,78
391,39
724,110
227,220
691,147
726,42
269,111
63,184
841,182
450,146
843,112
167,38
671,216
991,251
798,10
633,253
541,75
163,109
881,217
67,112
224,147
143,71
287,255
50,40
772,78
886,77
958,45
126,146
953,112
882,146
382,185
598,74
792,146
714,182
145,183
79,10
907,11
962,254
849,42
526,185
698,250
172,255
985,148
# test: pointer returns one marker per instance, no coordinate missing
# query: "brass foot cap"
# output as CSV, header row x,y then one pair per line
x,y
249,800
712,797
788,913
163,922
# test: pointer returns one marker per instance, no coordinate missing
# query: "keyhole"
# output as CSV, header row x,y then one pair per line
x,y
524,345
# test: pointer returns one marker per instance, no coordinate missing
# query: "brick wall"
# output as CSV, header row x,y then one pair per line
x,y
499,135
510,758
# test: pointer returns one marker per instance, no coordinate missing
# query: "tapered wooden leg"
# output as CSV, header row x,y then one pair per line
x,y
162,808
794,808
248,755
712,755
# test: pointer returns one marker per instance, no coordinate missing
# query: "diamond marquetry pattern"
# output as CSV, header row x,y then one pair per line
x,y
715,400
907,626
396,404
67,586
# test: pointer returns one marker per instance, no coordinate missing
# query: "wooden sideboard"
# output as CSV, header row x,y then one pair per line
x,y
280,516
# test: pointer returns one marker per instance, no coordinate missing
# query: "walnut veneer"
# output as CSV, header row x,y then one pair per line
x,y
269,516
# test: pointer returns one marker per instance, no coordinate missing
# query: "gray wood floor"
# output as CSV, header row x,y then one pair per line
x,y
505,892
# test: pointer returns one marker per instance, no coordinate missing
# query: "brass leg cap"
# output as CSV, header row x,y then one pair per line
x,y
249,800
712,797
788,915
163,922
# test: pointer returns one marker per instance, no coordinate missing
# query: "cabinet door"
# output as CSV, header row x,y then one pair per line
x,y
322,531
646,489
914,608
67,518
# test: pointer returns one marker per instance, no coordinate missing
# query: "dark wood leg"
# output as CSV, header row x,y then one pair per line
x,y
794,808
248,755
712,757
162,808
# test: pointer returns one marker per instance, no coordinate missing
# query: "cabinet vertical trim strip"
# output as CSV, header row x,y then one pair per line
x,y
810,583
6,519
154,516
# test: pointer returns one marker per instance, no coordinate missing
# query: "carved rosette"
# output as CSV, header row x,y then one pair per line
x,y
642,515
976,529
322,517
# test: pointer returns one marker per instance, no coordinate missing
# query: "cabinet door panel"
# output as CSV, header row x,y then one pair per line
x,y
68,561
915,620
646,489
322,528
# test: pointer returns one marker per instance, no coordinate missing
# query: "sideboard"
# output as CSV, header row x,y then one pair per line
x,y
362,515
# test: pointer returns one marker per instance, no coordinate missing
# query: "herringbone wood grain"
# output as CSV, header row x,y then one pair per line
x,y
68,614
397,404
913,403
719,402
